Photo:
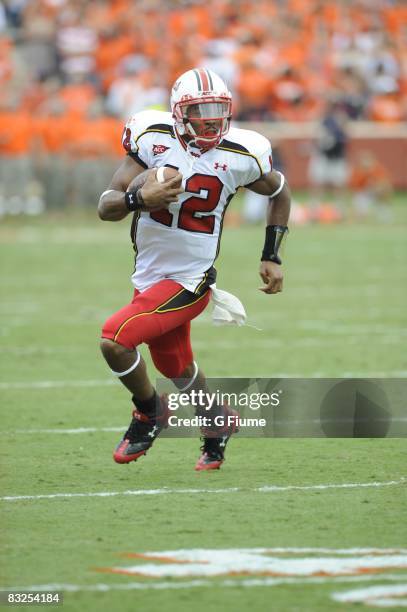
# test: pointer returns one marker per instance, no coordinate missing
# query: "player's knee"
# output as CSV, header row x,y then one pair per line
x,y
111,349
128,337
188,372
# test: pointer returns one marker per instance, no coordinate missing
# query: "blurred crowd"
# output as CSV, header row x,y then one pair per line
x,y
71,71
280,58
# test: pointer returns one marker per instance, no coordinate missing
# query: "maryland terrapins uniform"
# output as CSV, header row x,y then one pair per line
x,y
182,243
176,247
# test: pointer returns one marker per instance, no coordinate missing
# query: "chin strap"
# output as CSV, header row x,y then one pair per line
x,y
192,133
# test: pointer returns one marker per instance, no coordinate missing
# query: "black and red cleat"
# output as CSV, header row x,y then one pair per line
x,y
142,432
215,440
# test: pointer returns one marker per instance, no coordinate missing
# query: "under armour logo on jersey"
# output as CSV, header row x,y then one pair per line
x,y
158,149
222,166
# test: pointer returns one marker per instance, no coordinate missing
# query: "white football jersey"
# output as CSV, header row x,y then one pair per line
x,y
182,243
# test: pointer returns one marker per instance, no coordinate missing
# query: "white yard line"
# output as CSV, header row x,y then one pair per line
x,y
329,551
359,485
247,582
58,384
167,491
226,345
43,350
350,328
380,596
318,341
326,340
68,431
315,341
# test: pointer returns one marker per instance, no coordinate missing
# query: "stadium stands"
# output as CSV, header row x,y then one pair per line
x,y
63,61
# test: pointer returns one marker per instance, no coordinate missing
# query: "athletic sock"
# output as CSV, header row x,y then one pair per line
x,y
150,407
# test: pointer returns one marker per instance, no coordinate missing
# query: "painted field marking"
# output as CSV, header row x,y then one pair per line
x,y
62,349
315,341
368,328
58,384
270,488
259,563
166,491
255,562
81,235
329,325
68,431
380,596
229,583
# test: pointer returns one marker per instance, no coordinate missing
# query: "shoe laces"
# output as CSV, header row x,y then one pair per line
x,y
139,427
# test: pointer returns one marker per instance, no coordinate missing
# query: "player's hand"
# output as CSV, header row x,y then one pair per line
x,y
272,277
160,195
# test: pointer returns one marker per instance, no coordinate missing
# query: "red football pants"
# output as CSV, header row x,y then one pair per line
x,y
161,317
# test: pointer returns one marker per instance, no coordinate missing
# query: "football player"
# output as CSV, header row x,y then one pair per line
x,y
176,233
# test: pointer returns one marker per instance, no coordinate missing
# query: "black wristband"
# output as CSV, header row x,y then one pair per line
x,y
272,243
134,200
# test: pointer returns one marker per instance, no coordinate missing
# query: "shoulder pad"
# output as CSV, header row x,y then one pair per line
x,y
250,141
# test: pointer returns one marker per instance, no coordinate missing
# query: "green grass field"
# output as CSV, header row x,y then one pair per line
x,y
342,314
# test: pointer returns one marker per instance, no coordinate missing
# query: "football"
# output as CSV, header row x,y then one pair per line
x,y
165,173
162,174
140,179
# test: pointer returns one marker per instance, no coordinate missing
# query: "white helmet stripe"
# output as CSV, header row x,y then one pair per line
x,y
205,80
198,80
208,72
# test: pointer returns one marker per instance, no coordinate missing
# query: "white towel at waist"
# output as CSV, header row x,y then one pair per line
x,y
227,308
